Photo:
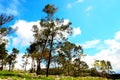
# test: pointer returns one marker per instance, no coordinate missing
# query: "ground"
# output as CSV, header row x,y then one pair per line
x,y
18,75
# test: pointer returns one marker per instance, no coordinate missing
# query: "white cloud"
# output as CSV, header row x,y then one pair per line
x,y
24,34
76,31
91,44
106,55
111,52
112,44
66,21
117,36
89,60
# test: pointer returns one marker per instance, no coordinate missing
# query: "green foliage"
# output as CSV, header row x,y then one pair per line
x,y
104,66
4,19
3,51
25,61
3,55
11,58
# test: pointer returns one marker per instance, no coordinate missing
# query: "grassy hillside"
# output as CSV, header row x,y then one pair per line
x,y
17,75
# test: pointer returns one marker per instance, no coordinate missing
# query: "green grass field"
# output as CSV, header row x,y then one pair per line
x,y
17,75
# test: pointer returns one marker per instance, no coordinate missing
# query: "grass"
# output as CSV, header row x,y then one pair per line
x,y
17,75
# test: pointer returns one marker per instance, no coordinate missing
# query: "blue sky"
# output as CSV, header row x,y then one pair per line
x,y
96,25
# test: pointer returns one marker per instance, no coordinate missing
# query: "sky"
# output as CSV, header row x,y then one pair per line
x,y
95,23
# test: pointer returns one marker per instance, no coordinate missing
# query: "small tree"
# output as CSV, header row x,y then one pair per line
x,y
11,59
25,61
109,66
3,55
32,53
102,65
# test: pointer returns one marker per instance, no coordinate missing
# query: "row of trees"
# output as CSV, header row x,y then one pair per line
x,y
5,58
50,46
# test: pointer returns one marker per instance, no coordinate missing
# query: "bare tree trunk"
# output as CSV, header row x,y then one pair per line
x,y
49,59
2,66
38,67
32,66
48,65
9,67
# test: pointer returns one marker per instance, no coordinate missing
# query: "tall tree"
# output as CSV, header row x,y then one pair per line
x,y
52,32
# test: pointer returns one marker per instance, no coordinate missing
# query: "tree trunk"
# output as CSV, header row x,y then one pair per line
x,y
9,67
32,66
38,67
2,66
48,65
49,59
79,67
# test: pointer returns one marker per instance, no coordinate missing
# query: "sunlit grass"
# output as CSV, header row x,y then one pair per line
x,y
18,75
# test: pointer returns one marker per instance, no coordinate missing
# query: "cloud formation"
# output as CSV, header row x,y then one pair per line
x,y
24,34
110,52
91,44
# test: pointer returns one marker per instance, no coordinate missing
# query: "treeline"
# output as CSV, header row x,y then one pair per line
x,y
5,58
51,47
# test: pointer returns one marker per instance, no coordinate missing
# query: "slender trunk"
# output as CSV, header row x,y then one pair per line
x,y
2,66
32,66
48,65
9,67
49,59
38,67
25,68
79,67
68,68
25,64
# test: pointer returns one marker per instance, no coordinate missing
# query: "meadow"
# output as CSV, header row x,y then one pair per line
x,y
18,75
